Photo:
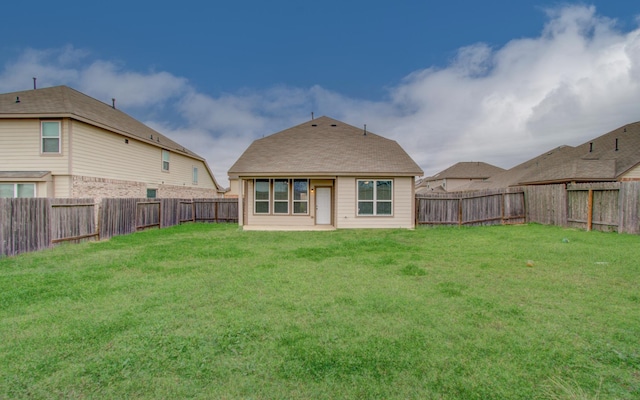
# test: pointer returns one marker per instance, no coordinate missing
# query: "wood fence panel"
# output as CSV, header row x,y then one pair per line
x,y
148,214
577,208
118,217
515,208
629,209
73,220
485,210
186,212
594,206
605,213
215,210
547,204
6,237
487,207
438,211
172,211
26,225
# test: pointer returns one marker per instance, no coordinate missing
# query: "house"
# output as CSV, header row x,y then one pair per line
x,y
58,142
614,156
325,174
457,176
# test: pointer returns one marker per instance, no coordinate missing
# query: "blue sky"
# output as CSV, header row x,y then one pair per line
x,y
495,81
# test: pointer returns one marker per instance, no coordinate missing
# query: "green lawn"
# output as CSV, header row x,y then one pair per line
x,y
208,311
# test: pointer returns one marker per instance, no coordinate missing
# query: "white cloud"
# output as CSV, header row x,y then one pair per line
x,y
578,79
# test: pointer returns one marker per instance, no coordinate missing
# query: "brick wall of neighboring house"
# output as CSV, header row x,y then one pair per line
x,y
184,192
98,188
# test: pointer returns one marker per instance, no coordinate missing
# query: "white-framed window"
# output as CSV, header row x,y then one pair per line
x,y
17,190
195,175
165,160
375,197
300,196
281,196
261,196
50,137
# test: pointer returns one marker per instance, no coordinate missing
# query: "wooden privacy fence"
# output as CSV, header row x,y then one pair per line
x,y
490,207
611,207
124,216
35,224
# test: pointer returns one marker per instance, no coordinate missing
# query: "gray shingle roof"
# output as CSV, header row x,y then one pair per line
x,y
595,160
63,101
324,146
467,170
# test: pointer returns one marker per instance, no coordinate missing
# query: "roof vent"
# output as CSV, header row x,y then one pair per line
x,y
365,130
334,125
151,137
17,99
314,124
34,83
616,144
113,103
590,147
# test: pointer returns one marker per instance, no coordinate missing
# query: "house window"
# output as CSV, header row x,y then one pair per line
x,y
50,135
286,196
152,193
165,160
375,197
195,175
300,196
281,196
17,190
262,196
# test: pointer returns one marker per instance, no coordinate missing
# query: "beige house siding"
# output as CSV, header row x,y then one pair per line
x,y
97,163
61,186
403,204
100,153
21,148
633,174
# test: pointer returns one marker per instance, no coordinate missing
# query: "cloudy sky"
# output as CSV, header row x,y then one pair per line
x,y
496,81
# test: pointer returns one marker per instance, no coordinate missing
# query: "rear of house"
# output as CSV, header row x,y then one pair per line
x,y
325,174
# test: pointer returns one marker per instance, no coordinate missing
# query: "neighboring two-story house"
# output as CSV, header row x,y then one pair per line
x,y
58,142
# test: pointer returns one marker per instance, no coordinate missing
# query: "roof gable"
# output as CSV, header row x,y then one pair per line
x,y
324,146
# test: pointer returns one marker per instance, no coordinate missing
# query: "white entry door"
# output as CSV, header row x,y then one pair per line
x,y
323,206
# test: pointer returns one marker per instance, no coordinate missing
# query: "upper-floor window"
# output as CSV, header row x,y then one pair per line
x,y
50,135
375,197
17,190
195,175
165,160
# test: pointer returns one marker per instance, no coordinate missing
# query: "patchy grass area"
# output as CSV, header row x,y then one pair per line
x,y
209,311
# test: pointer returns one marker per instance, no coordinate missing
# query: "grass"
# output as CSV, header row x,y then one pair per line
x,y
209,311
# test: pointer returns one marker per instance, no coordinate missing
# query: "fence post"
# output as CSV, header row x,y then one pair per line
x,y
460,212
590,210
